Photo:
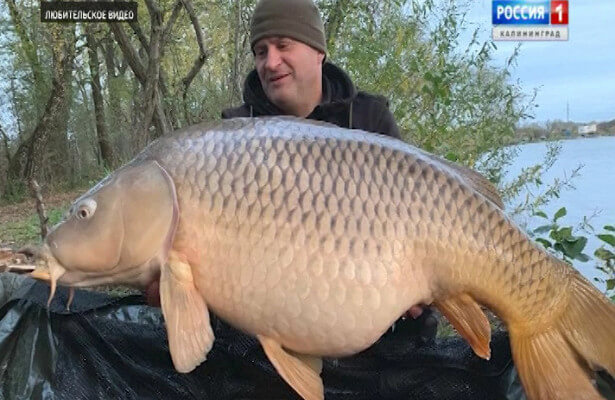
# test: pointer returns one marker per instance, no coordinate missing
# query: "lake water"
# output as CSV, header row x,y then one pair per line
x,y
594,189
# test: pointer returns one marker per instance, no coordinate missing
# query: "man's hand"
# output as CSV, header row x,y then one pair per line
x,y
414,312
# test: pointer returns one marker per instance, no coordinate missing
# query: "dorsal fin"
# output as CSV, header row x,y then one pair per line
x,y
476,180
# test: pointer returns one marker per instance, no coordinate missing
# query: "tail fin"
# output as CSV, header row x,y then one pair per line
x,y
555,364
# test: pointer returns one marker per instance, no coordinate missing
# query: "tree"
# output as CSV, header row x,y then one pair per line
x,y
104,144
184,61
53,123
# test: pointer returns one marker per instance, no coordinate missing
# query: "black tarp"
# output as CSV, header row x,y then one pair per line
x,y
116,348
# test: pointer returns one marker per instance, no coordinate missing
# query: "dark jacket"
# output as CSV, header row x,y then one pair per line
x,y
342,104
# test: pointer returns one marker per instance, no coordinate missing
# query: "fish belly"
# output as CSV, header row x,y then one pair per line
x,y
310,300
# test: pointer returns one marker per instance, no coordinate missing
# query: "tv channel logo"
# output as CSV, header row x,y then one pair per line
x,y
530,20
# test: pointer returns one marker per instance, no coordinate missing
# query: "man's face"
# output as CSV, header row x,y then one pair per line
x,y
290,72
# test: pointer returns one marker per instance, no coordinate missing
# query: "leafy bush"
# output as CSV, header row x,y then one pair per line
x,y
561,242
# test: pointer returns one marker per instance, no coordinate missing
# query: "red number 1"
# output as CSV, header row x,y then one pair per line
x,y
559,12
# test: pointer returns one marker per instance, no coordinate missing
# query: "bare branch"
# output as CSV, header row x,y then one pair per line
x,y
136,28
28,157
167,29
196,67
104,145
196,25
5,140
40,207
203,54
26,42
151,96
109,57
131,55
235,87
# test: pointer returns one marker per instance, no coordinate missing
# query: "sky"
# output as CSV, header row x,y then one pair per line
x,y
580,71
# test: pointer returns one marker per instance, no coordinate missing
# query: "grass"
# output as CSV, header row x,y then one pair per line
x,y
27,230
19,223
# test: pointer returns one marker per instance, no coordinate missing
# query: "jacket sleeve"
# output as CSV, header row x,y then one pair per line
x,y
241,111
387,124
372,114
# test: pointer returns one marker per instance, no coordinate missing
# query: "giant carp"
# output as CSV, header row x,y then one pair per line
x,y
315,239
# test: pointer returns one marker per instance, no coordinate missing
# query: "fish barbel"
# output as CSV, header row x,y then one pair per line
x,y
315,239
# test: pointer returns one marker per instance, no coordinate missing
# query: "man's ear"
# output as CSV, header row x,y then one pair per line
x,y
321,57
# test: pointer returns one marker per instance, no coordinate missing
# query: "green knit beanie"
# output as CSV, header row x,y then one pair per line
x,y
296,19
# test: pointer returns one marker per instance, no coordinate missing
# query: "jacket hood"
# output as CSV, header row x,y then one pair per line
x,y
338,90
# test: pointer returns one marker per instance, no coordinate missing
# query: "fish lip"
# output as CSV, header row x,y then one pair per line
x,y
48,269
40,274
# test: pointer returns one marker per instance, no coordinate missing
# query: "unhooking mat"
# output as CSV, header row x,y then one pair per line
x,y
116,348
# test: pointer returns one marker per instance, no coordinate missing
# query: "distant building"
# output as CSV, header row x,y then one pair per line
x,y
587,129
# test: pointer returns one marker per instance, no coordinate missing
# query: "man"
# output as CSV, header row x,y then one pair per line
x,y
291,77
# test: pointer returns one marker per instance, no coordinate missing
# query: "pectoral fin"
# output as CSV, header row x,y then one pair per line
x,y
185,314
300,371
470,321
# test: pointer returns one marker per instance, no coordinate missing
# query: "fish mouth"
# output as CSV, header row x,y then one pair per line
x,y
48,269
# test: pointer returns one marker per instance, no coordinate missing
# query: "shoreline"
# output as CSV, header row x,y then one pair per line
x,y
560,139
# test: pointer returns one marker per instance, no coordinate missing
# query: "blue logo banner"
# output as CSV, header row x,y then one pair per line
x,y
520,12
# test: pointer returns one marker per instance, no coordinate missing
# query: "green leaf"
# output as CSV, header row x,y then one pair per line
x,y
451,156
604,254
610,284
560,213
582,257
541,214
609,228
562,234
577,246
544,228
544,242
610,239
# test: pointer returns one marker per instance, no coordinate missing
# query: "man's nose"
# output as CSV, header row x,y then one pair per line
x,y
273,59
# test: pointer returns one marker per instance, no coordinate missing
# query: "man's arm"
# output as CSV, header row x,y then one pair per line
x,y
387,124
234,112
372,114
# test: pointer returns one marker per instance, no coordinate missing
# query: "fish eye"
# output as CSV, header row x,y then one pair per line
x,y
86,209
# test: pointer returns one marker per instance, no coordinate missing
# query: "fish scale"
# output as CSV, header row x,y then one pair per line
x,y
316,239
305,217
